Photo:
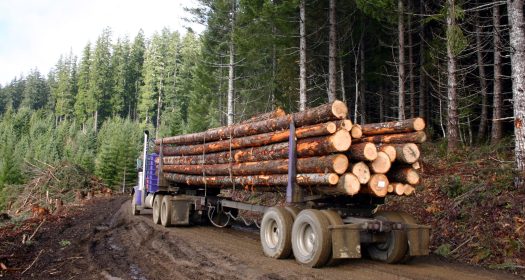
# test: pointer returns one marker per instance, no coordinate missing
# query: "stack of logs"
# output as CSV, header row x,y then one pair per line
x,y
334,156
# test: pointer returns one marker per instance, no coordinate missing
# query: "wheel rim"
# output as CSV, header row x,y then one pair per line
x,y
272,234
306,240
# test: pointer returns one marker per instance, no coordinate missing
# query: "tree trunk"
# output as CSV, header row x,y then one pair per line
x,y
337,163
362,83
452,118
411,78
302,55
363,152
517,56
332,111
159,109
482,81
422,75
407,175
498,98
258,180
410,125
401,60
251,141
342,78
400,138
231,68
347,185
266,116
332,53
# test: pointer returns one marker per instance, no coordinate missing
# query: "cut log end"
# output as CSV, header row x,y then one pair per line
x,y
381,164
361,171
399,188
363,151
340,164
339,109
408,153
419,124
409,190
356,131
346,125
390,151
333,179
341,140
378,185
349,184
331,127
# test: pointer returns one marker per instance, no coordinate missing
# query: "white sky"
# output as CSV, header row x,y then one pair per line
x,y
34,33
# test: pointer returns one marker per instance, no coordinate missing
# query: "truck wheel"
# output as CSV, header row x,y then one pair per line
x,y
276,233
157,201
134,210
294,211
311,240
395,247
166,210
409,219
335,220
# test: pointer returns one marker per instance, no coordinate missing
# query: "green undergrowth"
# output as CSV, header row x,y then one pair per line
x,y
469,198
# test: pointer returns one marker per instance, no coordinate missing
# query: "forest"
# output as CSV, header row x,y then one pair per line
x,y
458,64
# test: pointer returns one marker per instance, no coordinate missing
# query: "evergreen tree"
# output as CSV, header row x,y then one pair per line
x,y
81,99
136,61
35,92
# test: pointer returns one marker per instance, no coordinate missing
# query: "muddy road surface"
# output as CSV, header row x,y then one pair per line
x,y
105,242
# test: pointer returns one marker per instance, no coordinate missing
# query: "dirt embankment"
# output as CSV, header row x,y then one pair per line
x,y
101,240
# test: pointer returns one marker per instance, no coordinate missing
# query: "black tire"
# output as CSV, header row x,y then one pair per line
x,y
157,202
166,210
134,210
394,249
276,233
294,211
311,239
408,219
335,220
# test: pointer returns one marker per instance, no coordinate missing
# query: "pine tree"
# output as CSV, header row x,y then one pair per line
x,y
81,99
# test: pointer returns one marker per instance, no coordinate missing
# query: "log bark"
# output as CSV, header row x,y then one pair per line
x,y
348,185
361,171
249,141
362,152
309,147
401,138
356,131
381,164
410,125
407,175
336,110
337,163
389,150
407,153
378,185
311,179
266,116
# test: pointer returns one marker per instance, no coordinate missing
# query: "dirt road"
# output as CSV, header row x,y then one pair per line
x,y
106,242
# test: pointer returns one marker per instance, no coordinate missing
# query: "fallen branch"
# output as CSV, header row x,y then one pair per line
x,y
38,227
34,261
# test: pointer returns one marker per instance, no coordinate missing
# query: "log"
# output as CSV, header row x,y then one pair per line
x,y
311,179
407,153
390,188
344,124
389,150
401,138
381,164
410,125
309,147
378,185
416,165
348,185
337,163
362,152
249,141
356,131
361,171
407,175
409,189
398,188
336,110
266,116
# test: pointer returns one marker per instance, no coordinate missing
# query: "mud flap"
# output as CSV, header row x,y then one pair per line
x,y
181,211
418,237
346,241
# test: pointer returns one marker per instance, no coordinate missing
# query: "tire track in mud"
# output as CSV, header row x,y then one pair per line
x,y
133,247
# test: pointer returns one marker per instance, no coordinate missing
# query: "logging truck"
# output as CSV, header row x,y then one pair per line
x,y
333,186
